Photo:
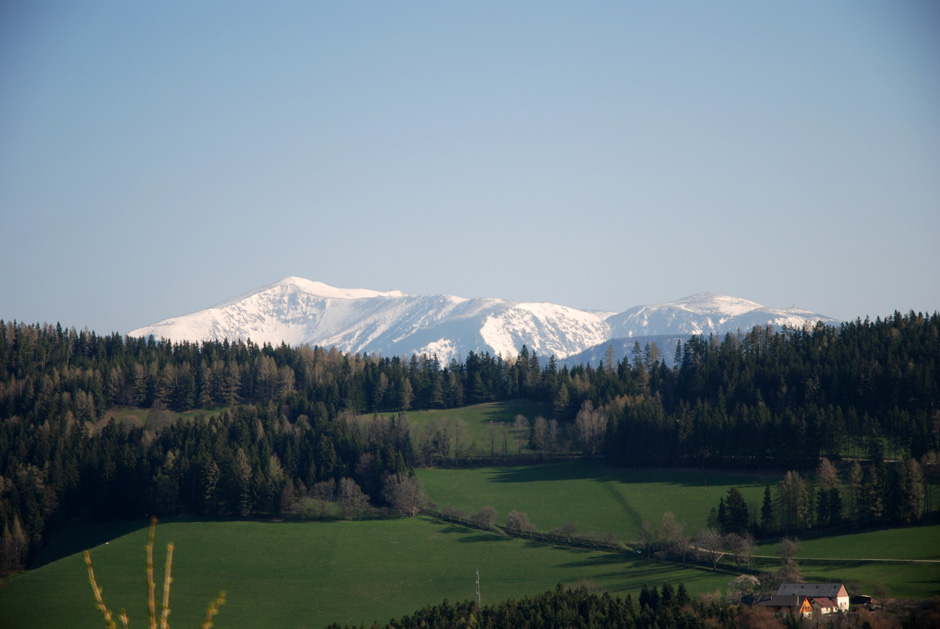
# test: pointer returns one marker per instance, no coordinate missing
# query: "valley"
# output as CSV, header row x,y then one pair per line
x,y
321,488
292,573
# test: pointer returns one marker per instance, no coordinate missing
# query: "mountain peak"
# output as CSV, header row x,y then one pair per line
x,y
324,290
711,303
295,311
293,284
705,313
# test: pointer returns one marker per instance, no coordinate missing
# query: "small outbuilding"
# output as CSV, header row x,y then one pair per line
x,y
786,604
823,605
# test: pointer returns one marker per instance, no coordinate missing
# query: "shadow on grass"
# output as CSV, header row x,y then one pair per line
x,y
79,534
606,559
481,537
467,535
568,470
596,470
505,412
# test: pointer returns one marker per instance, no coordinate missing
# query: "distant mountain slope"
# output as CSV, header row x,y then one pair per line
x,y
297,311
706,313
624,347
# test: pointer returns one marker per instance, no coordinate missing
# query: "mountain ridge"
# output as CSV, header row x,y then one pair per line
x,y
298,311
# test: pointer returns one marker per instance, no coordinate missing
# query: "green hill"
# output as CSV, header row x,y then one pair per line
x,y
592,496
310,574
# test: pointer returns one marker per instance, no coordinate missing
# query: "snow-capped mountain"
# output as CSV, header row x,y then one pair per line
x,y
297,311
706,313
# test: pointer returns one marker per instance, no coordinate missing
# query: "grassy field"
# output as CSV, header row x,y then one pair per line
x,y
292,574
311,574
865,559
603,500
591,496
477,416
916,542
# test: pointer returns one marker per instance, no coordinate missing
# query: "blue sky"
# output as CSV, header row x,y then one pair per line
x,y
159,157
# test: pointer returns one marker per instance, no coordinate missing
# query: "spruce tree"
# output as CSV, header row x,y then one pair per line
x,y
767,521
736,514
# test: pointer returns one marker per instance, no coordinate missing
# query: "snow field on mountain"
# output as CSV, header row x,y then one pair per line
x,y
296,311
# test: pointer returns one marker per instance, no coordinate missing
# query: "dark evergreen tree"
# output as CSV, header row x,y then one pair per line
x,y
736,516
767,520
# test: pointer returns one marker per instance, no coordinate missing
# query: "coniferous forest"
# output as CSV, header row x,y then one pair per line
x,y
575,607
267,423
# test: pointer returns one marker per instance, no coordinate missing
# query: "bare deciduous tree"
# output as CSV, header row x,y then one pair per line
x,y
789,571
567,531
503,431
351,498
492,436
453,513
518,522
672,537
520,428
740,547
590,426
436,438
553,435
485,517
710,544
789,547
540,435
459,435
324,490
404,494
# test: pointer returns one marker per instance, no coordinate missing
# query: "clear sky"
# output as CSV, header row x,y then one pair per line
x,y
157,157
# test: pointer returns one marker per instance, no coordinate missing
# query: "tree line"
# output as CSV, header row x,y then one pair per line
x,y
249,460
786,399
881,493
668,607
728,401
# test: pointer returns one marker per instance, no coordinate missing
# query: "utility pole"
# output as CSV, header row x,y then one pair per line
x,y
478,588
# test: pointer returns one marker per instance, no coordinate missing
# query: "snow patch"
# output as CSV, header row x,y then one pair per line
x,y
444,349
497,336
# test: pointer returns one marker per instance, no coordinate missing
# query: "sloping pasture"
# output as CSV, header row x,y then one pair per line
x,y
310,574
593,497
476,417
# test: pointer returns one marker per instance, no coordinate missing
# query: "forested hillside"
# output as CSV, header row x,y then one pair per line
x,y
283,419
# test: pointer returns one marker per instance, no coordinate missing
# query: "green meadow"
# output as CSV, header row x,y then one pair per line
x,y
593,497
309,574
602,500
915,542
478,415
286,574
